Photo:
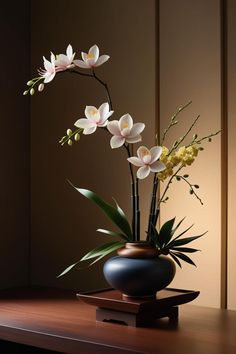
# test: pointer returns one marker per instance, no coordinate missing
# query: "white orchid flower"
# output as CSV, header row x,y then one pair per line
x,y
91,59
124,131
64,62
94,118
147,161
49,70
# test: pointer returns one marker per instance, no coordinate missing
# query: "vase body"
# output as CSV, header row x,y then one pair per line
x,y
138,271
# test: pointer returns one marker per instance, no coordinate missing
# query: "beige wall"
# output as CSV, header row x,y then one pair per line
x,y
14,152
64,222
190,70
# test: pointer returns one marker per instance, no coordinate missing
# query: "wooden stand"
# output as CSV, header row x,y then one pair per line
x,y
140,319
113,307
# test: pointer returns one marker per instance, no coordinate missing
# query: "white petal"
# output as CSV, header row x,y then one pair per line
x,y
144,154
134,139
103,124
135,161
61,60
157,166
49,77
84,123
113,127
92,113
126,121
156,152
125,132
94,50
137,129
143,172
101,60
117,141
69,52
81,64
88,131
53,58
84,56
47,64
104,110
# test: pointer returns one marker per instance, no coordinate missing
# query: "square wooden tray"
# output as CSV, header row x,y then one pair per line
x,y
112,306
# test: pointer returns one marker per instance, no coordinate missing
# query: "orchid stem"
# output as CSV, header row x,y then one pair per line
x,y
133,196
93,75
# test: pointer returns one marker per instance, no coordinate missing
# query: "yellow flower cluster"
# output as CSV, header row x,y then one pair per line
x,y
182,157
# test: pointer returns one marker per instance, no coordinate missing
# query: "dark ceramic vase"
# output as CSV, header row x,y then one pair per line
x,y
138,271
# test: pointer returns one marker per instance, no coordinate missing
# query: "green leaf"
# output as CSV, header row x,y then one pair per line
x,y
113,214
98,253
112,233
176,259
105,253
184,258
154,236
184,241
177,226
182,233
166,232
121,212
185,249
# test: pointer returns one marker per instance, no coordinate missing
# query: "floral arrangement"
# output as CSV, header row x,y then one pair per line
x,y
166,164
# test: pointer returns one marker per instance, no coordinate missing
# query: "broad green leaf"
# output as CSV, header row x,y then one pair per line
x,y
184,257
184,241
185,249
165,233
112,233
112,213
176,259
121,211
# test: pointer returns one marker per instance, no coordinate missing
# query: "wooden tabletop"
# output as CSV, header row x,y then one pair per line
x,y
56,320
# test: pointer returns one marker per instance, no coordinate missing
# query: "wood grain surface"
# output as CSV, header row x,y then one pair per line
x,y
54,319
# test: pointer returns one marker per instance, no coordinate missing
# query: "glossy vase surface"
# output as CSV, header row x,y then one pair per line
x,y
138,271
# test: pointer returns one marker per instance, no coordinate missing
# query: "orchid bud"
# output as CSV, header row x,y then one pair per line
x,y
25,93
196,186
186,176
209,139
69,132
70,142
194,136
32,91
77,137
41,87
29,83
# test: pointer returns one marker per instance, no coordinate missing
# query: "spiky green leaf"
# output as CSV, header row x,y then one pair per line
x,y
166,232
176,259
184,257
185,249
154,235
182,233
184,241
98,253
